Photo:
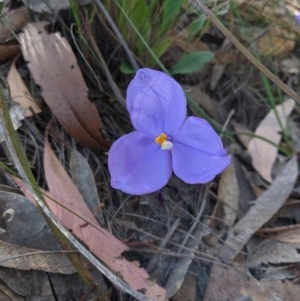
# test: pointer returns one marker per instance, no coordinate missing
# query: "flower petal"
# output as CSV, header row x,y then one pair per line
x,y
156,102
138,165
198,154
199,134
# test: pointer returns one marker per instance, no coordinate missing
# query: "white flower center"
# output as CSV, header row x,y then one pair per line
x,y
162,139
166,145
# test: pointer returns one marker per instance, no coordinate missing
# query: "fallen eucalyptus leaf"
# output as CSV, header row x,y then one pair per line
x,y
54,68
72,211
263,209
13,256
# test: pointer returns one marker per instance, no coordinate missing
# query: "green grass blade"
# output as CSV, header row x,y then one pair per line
x,y
192,62
171,9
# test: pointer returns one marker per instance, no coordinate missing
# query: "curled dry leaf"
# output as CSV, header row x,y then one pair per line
x,y
84,226
263,153
54,68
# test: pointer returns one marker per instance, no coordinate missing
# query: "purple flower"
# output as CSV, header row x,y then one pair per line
x,y
164,140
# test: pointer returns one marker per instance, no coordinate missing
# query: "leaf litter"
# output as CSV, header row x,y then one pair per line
x,y
29,250
263,209
263,153
83,224
142,222
54,68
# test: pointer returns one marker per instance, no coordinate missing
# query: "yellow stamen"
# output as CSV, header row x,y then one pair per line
x,y
161,138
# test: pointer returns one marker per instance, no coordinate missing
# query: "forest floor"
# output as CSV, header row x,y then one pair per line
x,y
66,234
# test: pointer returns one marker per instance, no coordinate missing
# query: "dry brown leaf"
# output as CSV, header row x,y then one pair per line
x,y
13,256
102,243
264,154
263,209
22,102
228,194
19,92
14,21
9,51
54,67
